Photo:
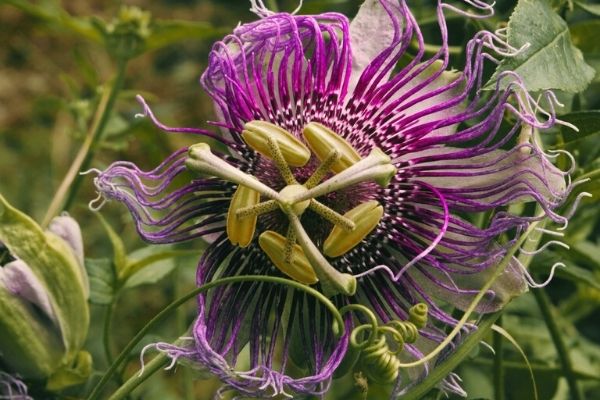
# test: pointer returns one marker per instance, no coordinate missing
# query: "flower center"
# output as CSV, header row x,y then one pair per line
x,y
302,261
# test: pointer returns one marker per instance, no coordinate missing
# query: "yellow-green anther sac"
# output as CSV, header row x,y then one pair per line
x,y
241,230
332,281
375,167
294,152
323,140
366,217
202,160
299,269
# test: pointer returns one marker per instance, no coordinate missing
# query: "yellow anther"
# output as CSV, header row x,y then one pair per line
x,y
323,140
241,230
366,216
298,269
294,152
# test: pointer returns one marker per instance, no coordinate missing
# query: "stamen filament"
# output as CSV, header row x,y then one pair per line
x,y
322,170
280,162
332,281
332,216
288,251
257,209
202,160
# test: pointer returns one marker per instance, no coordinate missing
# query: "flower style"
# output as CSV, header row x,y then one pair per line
x,y
348,161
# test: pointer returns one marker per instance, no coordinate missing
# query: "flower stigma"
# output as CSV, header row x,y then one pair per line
x,y
296,254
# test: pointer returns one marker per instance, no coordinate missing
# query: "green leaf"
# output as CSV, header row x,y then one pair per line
x,y
551,61
167,32
119,252
55,265
593,9
588,123
585,36
151,264
53,14
102,280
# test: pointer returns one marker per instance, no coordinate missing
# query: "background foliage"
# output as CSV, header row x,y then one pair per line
x,y
59,61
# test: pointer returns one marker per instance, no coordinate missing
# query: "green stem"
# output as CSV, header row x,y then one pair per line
x,y
498,364
447,366
108,315
182,325
149,369
272,5
523,368
338,325
63,199
548,312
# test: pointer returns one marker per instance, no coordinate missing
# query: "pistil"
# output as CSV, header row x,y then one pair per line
x,y
302,261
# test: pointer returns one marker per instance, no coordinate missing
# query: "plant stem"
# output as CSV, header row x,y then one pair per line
x,y
272,4
548,312
536,367
460,353
64,196
147,371
108,315
182,325
498,366
339,321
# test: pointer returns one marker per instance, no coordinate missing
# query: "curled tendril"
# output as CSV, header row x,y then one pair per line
x,y
379,346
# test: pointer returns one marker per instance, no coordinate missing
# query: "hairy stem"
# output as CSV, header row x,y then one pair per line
x,y
148,370
65,195
498,364
549,314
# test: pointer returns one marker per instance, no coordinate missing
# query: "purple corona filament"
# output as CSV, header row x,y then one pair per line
x,y
443,135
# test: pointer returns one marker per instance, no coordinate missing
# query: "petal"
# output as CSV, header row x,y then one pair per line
x,y
68,229
491,179
370,36
19,279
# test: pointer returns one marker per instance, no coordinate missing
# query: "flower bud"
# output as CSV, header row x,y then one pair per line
x,y
44,313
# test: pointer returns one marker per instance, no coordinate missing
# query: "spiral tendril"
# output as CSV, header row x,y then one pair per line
x,y
380,345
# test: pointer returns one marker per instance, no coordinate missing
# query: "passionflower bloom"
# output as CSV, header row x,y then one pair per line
x,y
346,159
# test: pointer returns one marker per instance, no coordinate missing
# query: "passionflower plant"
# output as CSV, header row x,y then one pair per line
x,y
348,159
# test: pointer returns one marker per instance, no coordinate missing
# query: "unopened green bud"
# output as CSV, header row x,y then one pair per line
x,y
44,314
